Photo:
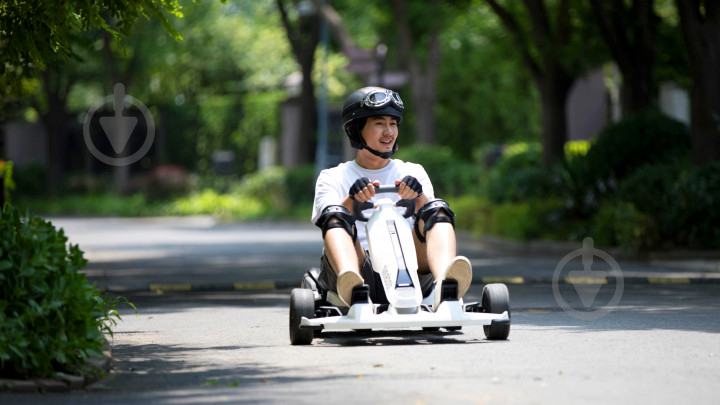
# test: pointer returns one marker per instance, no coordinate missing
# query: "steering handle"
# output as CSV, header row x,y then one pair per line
x,y
359,207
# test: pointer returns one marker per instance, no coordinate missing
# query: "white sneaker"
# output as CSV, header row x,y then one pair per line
x,y
459,270
346,281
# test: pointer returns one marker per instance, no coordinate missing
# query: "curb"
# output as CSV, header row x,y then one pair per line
x,y
555,247
95,369
659,279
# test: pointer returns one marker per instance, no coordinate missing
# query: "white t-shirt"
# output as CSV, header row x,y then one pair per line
x,y
334,184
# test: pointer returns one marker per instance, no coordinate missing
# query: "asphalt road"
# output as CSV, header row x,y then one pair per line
x,y
132,255
659,344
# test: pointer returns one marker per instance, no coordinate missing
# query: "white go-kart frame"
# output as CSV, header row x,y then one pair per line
x,y
392,254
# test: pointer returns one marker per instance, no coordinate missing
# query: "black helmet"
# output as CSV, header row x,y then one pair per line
x,y
369,102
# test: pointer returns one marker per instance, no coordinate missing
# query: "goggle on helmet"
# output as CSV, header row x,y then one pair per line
x,y
380,98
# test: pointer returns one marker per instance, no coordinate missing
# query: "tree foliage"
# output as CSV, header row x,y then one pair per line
x,y
485,95
482,71
557,44
37,33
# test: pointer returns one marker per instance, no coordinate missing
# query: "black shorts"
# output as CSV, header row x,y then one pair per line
x,y
328,279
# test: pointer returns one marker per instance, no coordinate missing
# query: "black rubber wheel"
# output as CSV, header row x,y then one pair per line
x,y
496,300
302,303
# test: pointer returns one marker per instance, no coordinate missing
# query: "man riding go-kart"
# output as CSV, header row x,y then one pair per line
x,y
399,270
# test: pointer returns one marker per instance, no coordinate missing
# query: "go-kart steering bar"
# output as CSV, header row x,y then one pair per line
x,y
359,207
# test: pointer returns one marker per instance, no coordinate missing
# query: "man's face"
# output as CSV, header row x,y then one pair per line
x,y
380,133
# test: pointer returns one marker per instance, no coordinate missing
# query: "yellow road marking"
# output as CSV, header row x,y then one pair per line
x,y
668,280
506,280
170,287
586,280
257,285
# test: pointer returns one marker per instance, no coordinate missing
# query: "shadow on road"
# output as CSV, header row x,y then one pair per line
x,y
642,308
391,338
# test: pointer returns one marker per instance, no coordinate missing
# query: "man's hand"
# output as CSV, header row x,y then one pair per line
x,y
363,190
409,187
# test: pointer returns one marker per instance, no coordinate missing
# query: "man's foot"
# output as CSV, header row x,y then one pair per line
x,y
346,281
458,270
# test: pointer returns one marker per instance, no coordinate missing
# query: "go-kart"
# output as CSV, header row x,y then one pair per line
x,y
315,307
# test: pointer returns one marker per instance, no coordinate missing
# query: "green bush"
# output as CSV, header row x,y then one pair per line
x,y
51,319
471,212
210,202
531,219
164,182
106,204
300,185
651,189
83,182
642,138
520,184
271,193
620,223
517,175
450,175
648,137
680,202
519,155
696,218
268,187
31,180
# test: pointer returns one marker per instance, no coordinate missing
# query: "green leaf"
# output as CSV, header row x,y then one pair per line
x,y
5,264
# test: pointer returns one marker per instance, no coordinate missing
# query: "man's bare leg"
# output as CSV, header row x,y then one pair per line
x,y
439,249
345,257
439,256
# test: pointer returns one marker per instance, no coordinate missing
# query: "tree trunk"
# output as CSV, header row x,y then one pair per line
x,y
705,115
121,174
636,93
630,36
304,37
423,96
554,87
308,112
701,32
423,74
550,75
424,91
54,121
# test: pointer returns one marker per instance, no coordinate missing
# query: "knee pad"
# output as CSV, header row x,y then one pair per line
x,y
346,220
431,213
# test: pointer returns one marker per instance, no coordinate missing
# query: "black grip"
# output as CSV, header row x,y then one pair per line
x,y
359,207
387,189
409,206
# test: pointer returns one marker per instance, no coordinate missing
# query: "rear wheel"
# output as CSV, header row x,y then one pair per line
x,y
496,300
302,303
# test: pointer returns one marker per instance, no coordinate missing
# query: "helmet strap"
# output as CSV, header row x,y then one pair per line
x,y
383,155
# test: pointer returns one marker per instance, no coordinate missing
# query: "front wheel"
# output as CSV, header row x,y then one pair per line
x,y
496,300
302,303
